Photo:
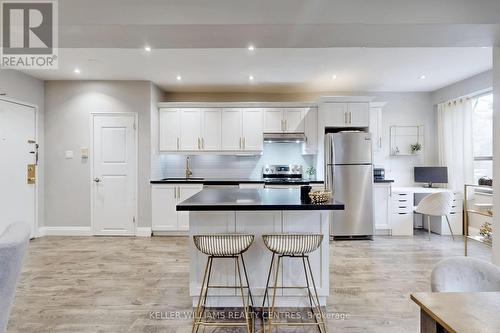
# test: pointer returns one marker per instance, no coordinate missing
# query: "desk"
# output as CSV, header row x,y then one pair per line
x,y
404,203
458,312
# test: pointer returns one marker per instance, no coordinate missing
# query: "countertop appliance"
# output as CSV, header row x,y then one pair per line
x,y
282,173
378,174
349,175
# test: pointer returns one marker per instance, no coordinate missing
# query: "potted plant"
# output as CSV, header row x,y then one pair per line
x,y
415,148
310,172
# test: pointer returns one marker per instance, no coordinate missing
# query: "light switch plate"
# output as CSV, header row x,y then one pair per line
x,y
84,151
68,154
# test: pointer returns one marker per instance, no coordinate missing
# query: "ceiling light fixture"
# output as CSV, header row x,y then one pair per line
x,y
422,77
334,77
147,48
251,48
178,77
76,71
251,77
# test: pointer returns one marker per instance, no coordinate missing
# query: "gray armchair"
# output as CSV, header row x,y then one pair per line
x,y
13,243
465,274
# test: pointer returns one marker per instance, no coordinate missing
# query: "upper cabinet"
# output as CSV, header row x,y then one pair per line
x,y
286,120
242,129
346,114
190,132
376,126
311,131
211,129
169,133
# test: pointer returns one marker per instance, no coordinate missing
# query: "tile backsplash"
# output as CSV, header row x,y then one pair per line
x,y
231,166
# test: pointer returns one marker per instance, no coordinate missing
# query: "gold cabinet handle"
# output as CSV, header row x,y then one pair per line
x,y
244,143
202,143
199,143
178,144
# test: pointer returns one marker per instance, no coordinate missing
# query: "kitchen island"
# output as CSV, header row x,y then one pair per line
x,y
257,212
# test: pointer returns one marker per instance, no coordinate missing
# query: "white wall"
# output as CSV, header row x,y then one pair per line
x,y
496,155
479,82
68,106
25,88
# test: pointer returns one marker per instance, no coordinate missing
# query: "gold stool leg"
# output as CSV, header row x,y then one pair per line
x,y
200,308
266,293
245,307
322,325
272,305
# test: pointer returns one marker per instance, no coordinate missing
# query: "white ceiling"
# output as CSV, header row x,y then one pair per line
x,y
276,70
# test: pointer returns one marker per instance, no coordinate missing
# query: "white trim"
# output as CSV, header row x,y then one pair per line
x,y
91,163
36,232
236,104
64,231
143,232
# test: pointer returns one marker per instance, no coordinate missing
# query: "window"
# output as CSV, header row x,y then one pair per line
x,y
482,135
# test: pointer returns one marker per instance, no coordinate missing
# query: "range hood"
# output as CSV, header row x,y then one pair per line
x,y
284,137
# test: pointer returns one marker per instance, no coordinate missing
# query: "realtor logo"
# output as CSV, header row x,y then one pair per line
x,y
29,34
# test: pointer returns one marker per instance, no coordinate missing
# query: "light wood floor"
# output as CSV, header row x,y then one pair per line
x,y
104,284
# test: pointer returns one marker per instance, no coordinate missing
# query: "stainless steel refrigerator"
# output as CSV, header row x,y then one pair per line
x,y
349,174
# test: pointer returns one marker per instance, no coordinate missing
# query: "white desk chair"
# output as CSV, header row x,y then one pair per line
x,y
436,204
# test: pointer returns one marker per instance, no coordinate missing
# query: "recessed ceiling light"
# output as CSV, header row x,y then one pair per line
x,y
178,77
76,71
251,47
422,77
251,77
147,48
334,77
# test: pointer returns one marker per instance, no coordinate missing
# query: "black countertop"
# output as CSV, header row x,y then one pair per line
x,y
215,181
249,200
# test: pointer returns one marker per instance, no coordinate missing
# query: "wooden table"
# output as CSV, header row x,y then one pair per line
x,y
459,312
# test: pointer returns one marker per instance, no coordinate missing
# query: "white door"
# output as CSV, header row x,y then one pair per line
x,y
17,136
164,214
359,114
169,129
252,129
273,121
114,174
211,138
190,129
294,120
231,129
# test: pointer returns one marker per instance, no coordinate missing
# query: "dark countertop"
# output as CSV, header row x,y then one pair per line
x,y
215,181
249,200
384,181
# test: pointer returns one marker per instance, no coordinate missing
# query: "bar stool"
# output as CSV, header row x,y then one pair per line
x,y
436,204
296,246
223,246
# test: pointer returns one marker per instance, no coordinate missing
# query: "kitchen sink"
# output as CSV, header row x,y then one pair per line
x,y
182,178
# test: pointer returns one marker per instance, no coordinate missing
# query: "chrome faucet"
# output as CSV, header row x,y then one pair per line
x,y
188,171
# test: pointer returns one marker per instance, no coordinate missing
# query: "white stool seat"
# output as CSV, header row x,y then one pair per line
x,y
292,244
436,204
223,245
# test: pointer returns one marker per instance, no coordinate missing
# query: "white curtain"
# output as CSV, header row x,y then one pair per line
x,y
455,142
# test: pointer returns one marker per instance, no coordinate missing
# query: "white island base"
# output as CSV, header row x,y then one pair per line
x,y
258,257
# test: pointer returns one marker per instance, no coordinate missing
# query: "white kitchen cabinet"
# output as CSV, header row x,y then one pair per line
x,y
311,131
294,120
211,131
382,207
286,120
273,120
345,114
169,129
358,114
231,129
376,125
252,123
164,198
191,123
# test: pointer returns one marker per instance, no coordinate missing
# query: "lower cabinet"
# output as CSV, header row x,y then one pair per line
x,y
381,208
164,199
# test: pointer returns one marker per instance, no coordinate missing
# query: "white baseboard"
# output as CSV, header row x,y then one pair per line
x,y
64,231
143,232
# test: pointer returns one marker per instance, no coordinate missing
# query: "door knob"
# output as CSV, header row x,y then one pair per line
x,y
97,180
